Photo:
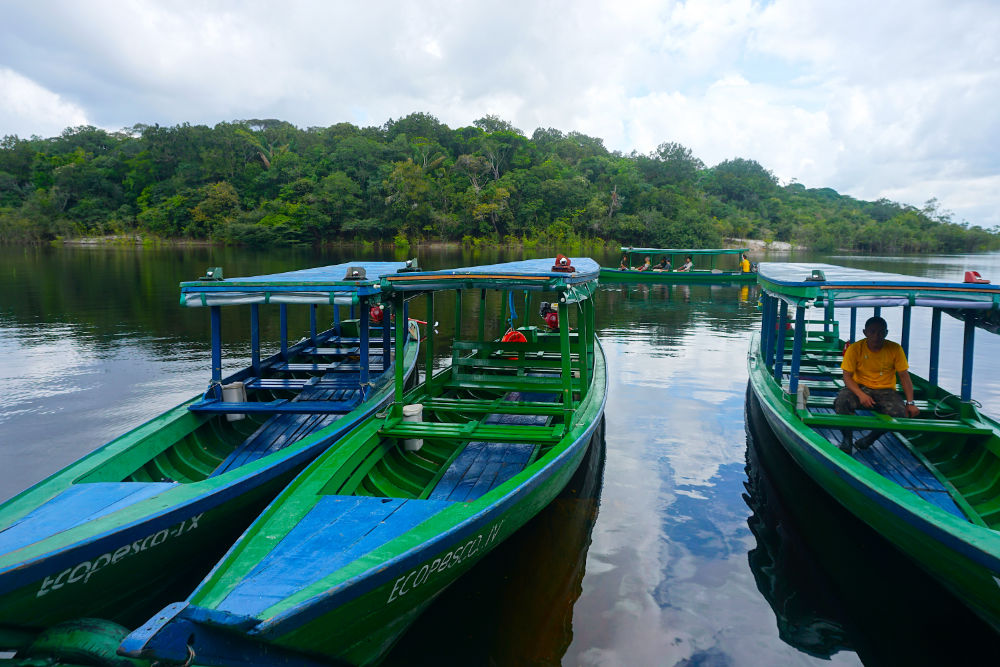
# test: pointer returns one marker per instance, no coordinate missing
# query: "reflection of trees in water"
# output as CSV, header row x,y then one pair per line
x,y
516,606
833,583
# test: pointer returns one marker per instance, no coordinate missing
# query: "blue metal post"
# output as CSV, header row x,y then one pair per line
x,y
765,305
766,329
904,339
336,320
828,318
255,338
772,325
406,320
312,323
878,311
968,343
854,323
779,358
800,334
932,373
216,316
283,318
363,358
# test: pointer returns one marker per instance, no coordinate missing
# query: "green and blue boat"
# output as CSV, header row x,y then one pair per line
x,y
930,484
124,530
351,552
718,265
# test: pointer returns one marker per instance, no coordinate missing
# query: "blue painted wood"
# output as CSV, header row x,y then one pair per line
x,y
335,532
932,372
284,429
800,334
889,457
779,357
968,346
255,338
77,504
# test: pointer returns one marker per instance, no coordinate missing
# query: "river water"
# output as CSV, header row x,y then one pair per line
x,y
687,538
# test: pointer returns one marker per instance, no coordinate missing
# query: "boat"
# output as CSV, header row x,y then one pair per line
x,y
929,484
350,553
118,533
716,265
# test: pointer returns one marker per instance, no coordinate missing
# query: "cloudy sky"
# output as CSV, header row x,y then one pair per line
x,y
895,98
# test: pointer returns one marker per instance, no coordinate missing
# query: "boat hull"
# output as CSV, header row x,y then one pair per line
x,y
372,622
360,617
122,566
676,277
964,557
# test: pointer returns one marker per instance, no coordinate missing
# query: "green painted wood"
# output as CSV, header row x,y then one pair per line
x,y
961,453
355,611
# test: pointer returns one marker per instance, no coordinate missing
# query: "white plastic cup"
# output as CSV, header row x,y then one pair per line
x,y
234,392
413,413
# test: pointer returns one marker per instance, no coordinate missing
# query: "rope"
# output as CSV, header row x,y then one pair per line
x,y
513,313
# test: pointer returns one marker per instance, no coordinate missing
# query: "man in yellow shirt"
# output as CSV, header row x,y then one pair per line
x,y
744,263
870,368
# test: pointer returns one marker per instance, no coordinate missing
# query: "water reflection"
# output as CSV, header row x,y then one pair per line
x,y
92,343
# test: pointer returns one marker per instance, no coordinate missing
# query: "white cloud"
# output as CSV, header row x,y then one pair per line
x,y
872,100
27,108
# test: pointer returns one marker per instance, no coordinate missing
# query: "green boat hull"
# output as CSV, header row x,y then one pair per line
x,y
368,626
123,565
676,277
963,556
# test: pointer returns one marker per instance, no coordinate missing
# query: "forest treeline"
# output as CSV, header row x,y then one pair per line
x,y
267,182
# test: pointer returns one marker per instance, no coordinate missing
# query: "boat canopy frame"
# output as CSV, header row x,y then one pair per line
x,y
574,283
803,285
352,285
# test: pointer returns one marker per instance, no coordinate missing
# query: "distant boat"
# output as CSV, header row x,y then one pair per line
x,y
930,484
347,556
705,268
140,520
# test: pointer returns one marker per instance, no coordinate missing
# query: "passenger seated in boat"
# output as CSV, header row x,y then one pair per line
x,y
663,265
624,263
870,368
744,263
687,265
646,265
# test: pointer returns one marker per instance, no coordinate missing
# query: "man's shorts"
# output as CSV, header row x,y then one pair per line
x,y
887,401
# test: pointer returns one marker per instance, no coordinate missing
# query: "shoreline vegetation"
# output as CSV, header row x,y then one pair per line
x,y
415,181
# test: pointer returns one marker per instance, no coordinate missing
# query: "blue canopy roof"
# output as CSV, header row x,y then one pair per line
x,y
799,283
319,285
531,274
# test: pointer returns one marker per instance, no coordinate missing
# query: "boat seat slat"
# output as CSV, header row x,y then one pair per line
x,y
284,429
890,457
482,466
335,532
76,505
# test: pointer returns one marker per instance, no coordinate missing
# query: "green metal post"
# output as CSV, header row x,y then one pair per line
x,y
504,304
567,368
429,344
458,314
482,315
582,334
